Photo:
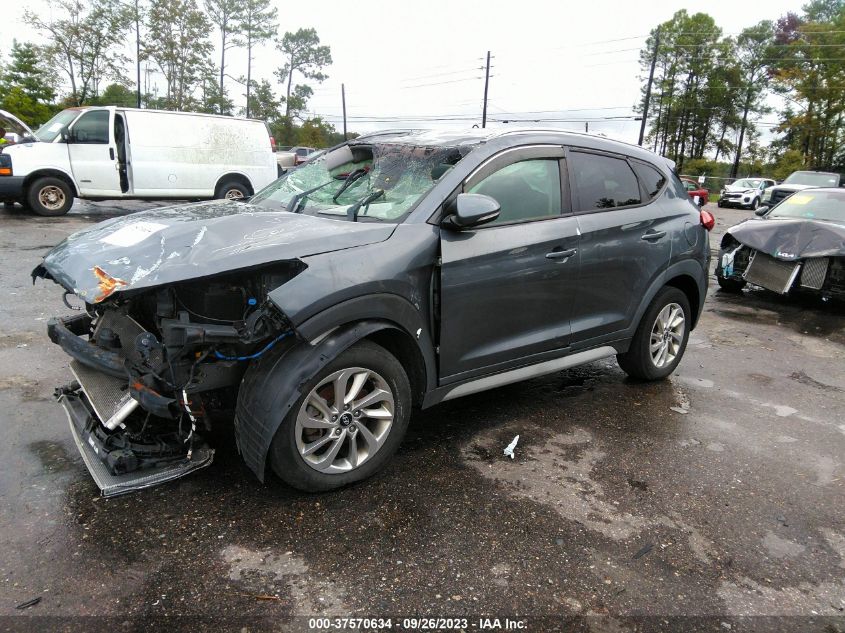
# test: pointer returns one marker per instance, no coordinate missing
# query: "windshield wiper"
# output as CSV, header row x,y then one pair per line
x,y
348,181
352,212
293,205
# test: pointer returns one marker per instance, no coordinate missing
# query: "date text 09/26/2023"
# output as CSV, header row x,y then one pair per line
x,y
416,624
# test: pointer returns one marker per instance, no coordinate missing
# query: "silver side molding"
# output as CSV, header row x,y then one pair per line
x,y
531,371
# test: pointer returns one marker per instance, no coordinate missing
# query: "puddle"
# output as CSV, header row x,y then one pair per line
x,y
53,456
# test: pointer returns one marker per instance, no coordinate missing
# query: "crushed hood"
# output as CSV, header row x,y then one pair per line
x,y
172,244
792,238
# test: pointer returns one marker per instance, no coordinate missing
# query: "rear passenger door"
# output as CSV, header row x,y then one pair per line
x,y
625,239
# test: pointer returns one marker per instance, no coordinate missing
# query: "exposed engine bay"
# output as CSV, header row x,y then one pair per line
x,y
150,365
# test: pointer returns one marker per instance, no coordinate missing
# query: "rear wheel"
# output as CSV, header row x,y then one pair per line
x,y
347,425
50,196
661,337
232,190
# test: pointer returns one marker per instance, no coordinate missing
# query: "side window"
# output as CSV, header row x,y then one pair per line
x,y
691,186
92,127
651,179
527,190
603,182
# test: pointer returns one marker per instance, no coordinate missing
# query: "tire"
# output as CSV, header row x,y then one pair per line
x,y
292,439
638,361
232,190
49,197
730,285
720,204
755,204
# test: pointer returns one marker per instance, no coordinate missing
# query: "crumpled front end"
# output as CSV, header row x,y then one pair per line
x,y
785,256
150,368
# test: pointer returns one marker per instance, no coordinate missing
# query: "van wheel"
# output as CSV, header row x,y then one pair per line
x,y
232,190
348,423
661,337
49,196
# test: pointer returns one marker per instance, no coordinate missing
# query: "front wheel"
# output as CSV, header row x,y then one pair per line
x,y
661,337
348,423
49,197
755,204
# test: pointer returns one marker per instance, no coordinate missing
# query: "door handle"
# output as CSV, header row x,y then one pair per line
x,y
653,236
561,254
111,153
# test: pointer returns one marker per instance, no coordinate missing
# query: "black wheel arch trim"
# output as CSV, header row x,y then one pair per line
x,y
272,385
50,173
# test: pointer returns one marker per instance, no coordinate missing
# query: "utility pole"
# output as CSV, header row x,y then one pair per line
x,y
648,88
138,53
486,85
343,98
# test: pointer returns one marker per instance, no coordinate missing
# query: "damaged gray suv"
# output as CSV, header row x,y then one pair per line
x,y
396,271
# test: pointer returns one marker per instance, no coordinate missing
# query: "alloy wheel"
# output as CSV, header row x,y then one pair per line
x,y
667,335
234,194
344,420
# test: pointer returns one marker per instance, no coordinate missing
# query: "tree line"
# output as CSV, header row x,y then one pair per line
x,y
84,62
711,92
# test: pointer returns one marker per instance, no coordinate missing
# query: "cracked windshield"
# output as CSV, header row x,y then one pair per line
x,y
380,182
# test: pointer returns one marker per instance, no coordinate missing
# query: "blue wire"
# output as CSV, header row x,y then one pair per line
x,y
257,354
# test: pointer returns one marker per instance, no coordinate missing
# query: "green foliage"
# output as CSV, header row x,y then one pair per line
x,y
86,38
306,56
27,109
227,16
263,103
791,160
258,25
177,41
809,71
116,95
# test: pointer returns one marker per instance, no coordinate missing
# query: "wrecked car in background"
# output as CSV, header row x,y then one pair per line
x,y
798,245
745,193
397,270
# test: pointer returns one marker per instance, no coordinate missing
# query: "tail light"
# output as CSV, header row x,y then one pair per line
x,y
707,220
272,143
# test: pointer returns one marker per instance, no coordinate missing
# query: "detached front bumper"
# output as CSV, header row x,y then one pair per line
x,y
120,456
91,448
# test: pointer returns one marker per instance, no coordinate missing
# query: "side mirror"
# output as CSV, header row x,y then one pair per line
x,y
761,211
470,210
64,134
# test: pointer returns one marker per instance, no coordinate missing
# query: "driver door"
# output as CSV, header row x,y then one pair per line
x,y
93,155
507,287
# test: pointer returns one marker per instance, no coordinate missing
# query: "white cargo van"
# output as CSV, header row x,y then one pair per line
x,y
111,152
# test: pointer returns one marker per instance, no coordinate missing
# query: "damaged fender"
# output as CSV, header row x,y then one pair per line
x,y
273,384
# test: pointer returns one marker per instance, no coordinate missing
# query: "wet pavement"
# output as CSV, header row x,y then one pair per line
x,y
717,493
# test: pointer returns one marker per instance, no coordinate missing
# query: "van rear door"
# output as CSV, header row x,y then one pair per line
x,y
93,156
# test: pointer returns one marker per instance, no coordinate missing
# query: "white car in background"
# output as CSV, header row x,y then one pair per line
x,y
745,192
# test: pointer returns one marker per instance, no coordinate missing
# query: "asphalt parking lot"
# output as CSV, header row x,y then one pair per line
x,y
717,493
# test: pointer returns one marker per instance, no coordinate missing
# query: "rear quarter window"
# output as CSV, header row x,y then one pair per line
x,y
652,180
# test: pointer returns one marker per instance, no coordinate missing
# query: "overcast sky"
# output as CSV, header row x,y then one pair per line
x,y
400,60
